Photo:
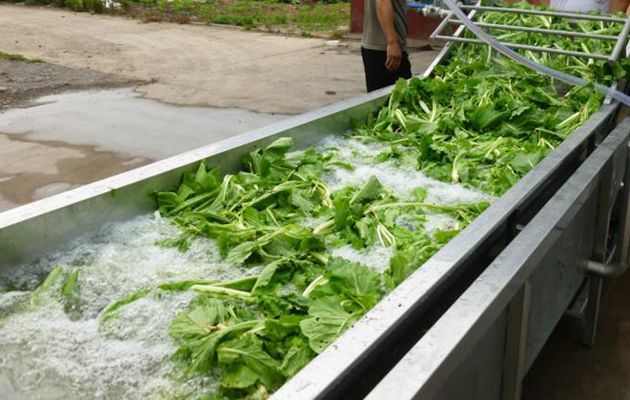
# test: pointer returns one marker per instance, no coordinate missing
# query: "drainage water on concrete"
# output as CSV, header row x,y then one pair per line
x,y
119,120
70,139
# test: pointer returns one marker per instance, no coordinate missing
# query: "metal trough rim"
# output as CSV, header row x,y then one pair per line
x,y
449,340
323,374
318,378
105,186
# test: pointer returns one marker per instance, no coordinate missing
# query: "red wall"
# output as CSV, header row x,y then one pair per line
x,y
420,27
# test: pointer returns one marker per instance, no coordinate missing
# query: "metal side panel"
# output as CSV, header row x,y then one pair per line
x,y
555,282
532,280
345,370
481,377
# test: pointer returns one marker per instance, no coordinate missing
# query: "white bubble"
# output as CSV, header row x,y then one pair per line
x,y
375,257
50,353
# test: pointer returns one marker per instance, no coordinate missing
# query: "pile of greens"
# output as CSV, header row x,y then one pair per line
x,y
479,121
263,328
484,120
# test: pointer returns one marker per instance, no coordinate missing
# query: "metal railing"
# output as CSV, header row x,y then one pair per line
x,y
449,19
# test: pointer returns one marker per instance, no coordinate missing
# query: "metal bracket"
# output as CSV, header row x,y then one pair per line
x,y
515,346
605,270
436,12
599,270
608,269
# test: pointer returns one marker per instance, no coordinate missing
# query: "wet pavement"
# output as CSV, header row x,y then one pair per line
x,y
121,121
71,139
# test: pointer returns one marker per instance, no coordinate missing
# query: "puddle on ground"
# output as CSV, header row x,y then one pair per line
x,y
70,139
5,204
31,170
120,121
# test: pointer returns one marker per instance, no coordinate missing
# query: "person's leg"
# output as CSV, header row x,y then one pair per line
x,y
404,71
375,71
377,76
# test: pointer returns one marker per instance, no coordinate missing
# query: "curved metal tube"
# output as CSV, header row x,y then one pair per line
x,y
605,270
501,48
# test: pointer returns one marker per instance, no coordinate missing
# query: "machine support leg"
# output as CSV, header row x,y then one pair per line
x,y
595,282
591,313
605,202
516,335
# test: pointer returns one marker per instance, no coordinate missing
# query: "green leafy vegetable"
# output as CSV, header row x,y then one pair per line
x,y
109,311
327,320
479,121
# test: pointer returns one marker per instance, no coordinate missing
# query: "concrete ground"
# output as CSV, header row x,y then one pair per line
x,y
193,64
566,370
69,139
190,85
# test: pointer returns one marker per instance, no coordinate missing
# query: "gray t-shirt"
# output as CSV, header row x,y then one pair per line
x,y
373,36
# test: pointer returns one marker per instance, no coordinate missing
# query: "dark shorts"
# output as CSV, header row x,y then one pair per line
x,y
376,75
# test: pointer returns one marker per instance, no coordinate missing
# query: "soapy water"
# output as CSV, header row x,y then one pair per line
x,y
47,352
398,179
50,352
375,257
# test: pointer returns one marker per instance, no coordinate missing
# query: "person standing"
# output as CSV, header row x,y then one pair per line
x,y
384,43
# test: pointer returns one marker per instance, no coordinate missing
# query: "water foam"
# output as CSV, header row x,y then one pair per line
x,y
400,180
49,353
45,350
375,257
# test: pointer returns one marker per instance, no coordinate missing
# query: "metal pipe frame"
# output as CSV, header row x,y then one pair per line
x,y
558,32
445,22
528,47
448,19
428,367
445,52
544,13
621,41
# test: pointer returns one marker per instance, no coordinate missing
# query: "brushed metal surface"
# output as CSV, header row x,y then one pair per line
x,y
547,253
330,374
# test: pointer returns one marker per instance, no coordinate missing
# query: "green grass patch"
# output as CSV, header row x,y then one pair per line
x,y
18,57
331,17
265,15
92,6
